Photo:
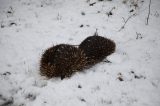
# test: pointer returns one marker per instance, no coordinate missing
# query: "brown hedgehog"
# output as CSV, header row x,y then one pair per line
x,y
97,48
62,61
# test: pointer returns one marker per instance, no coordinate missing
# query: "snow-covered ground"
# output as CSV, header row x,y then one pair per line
x,y
29,27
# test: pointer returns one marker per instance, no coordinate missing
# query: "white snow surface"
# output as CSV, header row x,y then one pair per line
x,y
29,27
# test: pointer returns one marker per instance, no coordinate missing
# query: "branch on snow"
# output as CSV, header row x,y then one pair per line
x,y
125,21
148,12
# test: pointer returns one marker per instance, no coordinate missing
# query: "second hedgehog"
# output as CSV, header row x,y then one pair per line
x,y
62,61
97,48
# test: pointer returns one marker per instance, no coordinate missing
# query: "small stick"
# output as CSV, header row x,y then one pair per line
x,y
92,4
149,12
96,33
125,22
110,12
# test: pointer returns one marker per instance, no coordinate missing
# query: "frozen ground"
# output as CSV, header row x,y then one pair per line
x,y
28,27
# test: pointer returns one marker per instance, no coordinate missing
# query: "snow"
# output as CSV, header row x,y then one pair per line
x,y
29,27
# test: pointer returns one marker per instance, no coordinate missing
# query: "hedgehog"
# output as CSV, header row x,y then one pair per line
x,y
62,61
97,48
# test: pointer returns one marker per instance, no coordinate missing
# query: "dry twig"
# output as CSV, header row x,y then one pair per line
x,y
148,12
125,21
110,12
